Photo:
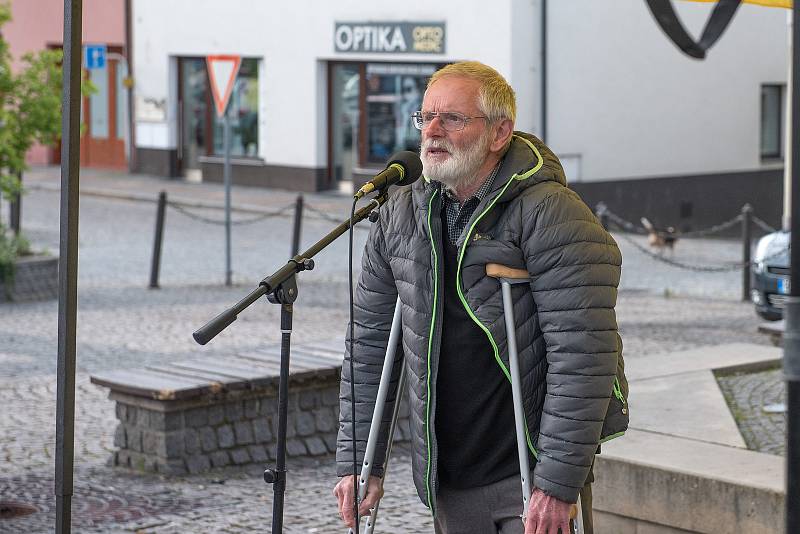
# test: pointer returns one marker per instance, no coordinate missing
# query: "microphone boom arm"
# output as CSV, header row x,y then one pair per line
x,y
272,283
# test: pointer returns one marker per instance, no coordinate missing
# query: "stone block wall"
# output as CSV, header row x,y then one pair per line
x,y
234,428
34,278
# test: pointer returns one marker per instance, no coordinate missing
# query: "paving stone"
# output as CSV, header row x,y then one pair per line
x,y
258,453
309,399
295,447
244,432
198,463
325,420
263,432
234,411
165,420
240,456
316,446
330,442
305,424
216,415
120,437
330,397
191,441
226,437
208,439
220,458
196,417
251,408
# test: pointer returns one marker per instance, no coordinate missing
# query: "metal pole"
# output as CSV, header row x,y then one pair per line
x,y
298,223
791,338
156,264
279,474
68,263
15,208
747,212
227,174
543,88
131,128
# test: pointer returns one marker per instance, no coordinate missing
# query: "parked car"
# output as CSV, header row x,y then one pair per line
x,y
771,275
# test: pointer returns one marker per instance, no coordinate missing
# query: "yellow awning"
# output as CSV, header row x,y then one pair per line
x,y
767,3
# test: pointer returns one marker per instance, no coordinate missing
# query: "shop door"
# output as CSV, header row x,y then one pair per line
x,y
194,105
103,139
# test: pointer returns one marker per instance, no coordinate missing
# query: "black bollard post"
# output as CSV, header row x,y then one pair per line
x,y
747,215
156,265
298,222
15,208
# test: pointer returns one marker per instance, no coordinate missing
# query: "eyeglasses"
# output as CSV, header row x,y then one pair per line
x,y
452,121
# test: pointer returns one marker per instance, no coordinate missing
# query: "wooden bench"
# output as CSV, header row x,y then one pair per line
x,y
191,416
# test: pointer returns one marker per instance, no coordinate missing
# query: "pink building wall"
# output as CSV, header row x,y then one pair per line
x,y
36,24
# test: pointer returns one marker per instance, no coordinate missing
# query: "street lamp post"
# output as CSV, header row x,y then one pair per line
x,y
791,339
68,263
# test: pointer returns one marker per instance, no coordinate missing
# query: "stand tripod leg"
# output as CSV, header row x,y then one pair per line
x,y
380,403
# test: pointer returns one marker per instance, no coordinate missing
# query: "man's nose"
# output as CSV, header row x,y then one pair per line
x,y
435,128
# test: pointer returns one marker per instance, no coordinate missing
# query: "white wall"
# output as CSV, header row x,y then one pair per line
x,y
294,39
629,104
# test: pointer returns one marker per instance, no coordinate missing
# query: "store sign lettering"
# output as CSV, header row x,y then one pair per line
x,y
390,38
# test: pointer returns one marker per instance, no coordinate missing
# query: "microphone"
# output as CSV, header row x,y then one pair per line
x,y
404,168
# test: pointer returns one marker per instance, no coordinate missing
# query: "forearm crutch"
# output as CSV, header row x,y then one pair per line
x,y
377,417
508,276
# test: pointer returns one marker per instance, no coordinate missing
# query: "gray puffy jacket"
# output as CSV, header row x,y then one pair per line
x,y
571,363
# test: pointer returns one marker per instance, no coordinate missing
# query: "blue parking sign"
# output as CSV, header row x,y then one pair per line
x,y
94,56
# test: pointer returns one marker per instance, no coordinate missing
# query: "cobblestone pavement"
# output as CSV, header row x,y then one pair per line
x,y
121,323
747,395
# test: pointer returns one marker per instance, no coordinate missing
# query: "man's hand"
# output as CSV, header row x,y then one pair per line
x,y
344,493
546,514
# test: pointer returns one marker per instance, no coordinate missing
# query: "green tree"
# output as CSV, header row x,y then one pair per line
x,y
30,107
30,112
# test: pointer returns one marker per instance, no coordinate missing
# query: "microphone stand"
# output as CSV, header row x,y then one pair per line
x,y
281,288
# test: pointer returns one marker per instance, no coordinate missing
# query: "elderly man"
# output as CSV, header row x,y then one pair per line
x,y
489,195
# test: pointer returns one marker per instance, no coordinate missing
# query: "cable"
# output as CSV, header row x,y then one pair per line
x,y
352,367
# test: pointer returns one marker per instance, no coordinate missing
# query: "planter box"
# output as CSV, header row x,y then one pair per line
x,y
35,278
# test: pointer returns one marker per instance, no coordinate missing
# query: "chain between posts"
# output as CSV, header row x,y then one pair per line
x,y
697,268
277,213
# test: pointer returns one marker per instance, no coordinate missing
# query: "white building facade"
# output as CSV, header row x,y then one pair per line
x,y
325,90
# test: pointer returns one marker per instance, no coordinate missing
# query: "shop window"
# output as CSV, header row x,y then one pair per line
x,y
243,111
370,112
394,92
200,129
771,120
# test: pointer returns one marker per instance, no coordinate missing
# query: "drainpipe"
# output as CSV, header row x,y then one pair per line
x,y
543,89
129,56
787,138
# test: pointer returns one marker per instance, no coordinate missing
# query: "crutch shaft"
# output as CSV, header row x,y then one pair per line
x,y
380,404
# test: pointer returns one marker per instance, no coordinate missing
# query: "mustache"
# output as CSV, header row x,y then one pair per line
x,y
437,143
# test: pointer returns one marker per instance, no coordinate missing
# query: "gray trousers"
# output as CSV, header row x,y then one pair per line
x,y
493,509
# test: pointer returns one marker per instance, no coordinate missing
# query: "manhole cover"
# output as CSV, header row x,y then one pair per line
x,y
9,510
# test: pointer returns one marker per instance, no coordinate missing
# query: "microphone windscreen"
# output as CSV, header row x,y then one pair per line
x,y
410,162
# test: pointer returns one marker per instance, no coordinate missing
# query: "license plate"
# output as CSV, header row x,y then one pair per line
x,y
783,286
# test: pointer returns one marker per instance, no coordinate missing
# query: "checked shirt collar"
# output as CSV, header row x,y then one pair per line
x,y
459,214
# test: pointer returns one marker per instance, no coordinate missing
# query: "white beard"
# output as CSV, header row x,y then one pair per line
x,y
461,168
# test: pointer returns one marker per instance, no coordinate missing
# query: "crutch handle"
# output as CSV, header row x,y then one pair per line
x,y
495,270
573,511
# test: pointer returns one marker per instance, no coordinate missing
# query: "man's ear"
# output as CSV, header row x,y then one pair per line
x,y
503,130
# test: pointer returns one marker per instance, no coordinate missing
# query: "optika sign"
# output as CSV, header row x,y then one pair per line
x,y
390,38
